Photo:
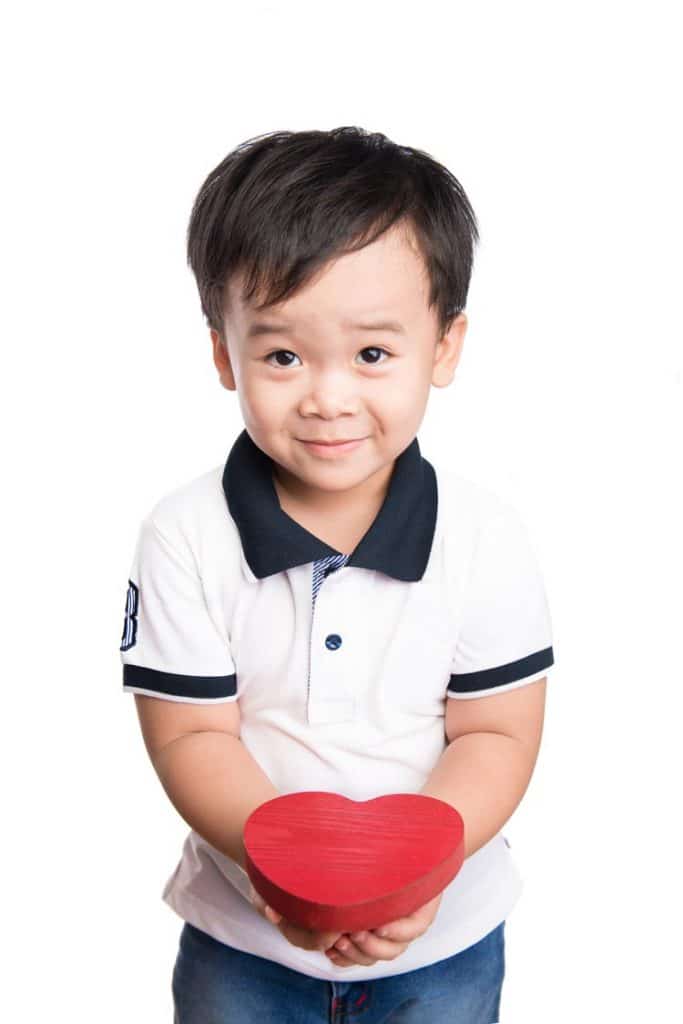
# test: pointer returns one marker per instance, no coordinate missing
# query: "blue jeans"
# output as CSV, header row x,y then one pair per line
x,y
216,984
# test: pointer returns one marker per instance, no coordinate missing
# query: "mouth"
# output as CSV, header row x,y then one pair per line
x,y
347,440
331,448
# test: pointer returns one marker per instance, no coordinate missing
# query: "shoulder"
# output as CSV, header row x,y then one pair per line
x,y
476,526
202,491
469,505
194,515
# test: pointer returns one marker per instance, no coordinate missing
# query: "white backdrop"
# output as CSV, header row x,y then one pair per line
x,y
562,121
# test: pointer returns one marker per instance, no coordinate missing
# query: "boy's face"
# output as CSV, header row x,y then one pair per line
x,y
322,377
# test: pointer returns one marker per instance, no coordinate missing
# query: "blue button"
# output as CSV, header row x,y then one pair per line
x,y
333,641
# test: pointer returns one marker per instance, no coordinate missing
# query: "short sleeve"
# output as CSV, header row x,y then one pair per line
x,y
171,647
504,634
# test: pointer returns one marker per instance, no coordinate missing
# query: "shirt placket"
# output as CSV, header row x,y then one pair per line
x,y
329,701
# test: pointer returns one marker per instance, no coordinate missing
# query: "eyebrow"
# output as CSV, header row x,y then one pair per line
x,y
259,328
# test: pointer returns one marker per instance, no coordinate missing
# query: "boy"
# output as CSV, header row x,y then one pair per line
x,y
328,610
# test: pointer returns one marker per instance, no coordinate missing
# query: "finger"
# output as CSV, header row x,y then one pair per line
x,y
396,933
405,929
354,952
379,949
266,911
339,960
307,939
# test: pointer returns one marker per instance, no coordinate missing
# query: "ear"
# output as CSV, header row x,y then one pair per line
x,y
447,352
222,361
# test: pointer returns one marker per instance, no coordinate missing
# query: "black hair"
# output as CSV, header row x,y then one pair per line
x,y
281,205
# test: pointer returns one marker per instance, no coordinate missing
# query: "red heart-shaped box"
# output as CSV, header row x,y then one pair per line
x,y
329,863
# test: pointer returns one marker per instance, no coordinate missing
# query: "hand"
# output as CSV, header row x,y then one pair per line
x,y
305,938
372,947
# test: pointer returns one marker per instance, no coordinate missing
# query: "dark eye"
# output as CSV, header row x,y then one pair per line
x,y
375,362
280,352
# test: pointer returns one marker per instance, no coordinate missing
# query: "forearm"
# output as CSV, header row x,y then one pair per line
x,y
484,775
214,783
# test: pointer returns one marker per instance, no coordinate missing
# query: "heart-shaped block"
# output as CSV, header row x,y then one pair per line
x,y
329,863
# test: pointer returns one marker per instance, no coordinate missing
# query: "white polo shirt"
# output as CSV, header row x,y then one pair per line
x,y
342,662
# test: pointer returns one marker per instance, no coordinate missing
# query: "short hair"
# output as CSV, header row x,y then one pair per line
x,y
279,206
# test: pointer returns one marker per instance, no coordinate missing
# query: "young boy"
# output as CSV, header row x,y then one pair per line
x,y
328,610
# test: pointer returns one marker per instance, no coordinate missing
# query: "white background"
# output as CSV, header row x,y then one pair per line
x,y
562,121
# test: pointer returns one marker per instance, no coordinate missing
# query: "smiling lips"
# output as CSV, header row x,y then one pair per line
x,y
346,441
330,449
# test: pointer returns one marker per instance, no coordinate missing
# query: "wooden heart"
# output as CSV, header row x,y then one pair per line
x,y
329,863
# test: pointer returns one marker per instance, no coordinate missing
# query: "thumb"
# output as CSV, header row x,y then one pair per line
x,y
263,907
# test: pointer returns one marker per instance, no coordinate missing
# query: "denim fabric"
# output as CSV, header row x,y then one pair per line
x,y
216,984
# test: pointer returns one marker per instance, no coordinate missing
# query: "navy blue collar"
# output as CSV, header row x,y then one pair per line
x,y
397,543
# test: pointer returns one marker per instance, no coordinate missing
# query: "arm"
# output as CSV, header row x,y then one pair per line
x,y
483,772
214,783
492,747
208,774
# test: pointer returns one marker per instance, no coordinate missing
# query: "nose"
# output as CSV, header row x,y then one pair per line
x,y
331,393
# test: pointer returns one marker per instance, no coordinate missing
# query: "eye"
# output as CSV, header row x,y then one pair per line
x,y
286,352
375,362
280,352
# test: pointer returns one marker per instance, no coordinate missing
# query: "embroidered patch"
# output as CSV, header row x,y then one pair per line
x,y
130,622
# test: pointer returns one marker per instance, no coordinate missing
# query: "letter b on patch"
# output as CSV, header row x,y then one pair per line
x,y
130,622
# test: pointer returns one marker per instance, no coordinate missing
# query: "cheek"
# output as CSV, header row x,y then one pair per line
x,y
409,390
263,399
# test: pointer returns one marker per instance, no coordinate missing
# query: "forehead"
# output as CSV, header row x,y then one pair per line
x,y
383,283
